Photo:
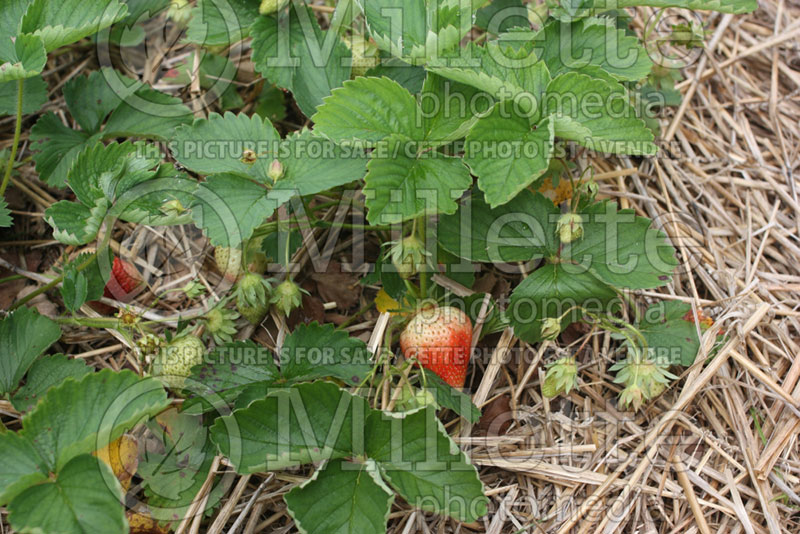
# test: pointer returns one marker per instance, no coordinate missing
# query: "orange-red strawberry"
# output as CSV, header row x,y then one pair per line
x,y
125,280
441,340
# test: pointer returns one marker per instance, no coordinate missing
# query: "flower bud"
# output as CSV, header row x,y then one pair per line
x,y
276,170
561,377
173,208
409,256
551,327
287,296
570,227
268,7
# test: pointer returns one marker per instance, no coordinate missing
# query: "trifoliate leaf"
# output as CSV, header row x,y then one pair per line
x,y
602,108
370,110
552,291
217,145
520,230
47,372
341,498
317,351
314,164
506,154
21,56
79,417
292,426
518,77
24,335
287,50
420,461
34,95
62,23
228,207
620,249
402,184
83,497
567,46
449,109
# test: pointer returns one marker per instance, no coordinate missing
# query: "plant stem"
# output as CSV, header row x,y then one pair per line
x,y
50,285
15,144
423,275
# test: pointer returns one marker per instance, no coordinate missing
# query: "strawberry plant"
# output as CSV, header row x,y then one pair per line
x,y
455,133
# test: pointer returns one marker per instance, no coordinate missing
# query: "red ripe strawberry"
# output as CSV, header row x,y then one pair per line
x,y
441,340
125,280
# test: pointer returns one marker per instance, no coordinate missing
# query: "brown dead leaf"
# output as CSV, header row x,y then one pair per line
x,y
339,287
497,417
122,456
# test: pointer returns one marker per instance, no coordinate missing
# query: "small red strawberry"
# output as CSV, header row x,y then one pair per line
x,y
124,282
441,340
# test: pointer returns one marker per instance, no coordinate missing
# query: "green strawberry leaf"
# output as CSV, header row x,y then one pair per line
x,y
78,417
568,46
5,214
449,397
221,22
506,154
74,289
515,78
370,110
228,207
671,338
420,461
59,146
291,51
83,498
292,426
34,96
341,498
228,370
520,230
552,291
24,335
403,183
449,109
621,249
217,144
610,126
22,466
11,13
313,164
175,469
723,6
45,373
21,56
501,15
65,22
316,351
135,111
73,223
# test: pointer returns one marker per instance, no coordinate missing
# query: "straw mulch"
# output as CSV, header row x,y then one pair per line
x,y
718,451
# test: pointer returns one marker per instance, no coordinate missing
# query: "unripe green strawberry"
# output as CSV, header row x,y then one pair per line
x,y
174,363
409,256
229,262
252,297
441,340
220,324
561,377
364,54
643,378
287,296
570,227
551,327
253,314
268,7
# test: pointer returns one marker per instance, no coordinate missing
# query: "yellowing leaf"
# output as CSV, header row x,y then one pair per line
x,y
384,303
122,456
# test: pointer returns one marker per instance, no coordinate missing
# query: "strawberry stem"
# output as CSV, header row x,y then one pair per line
x,y
15,143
